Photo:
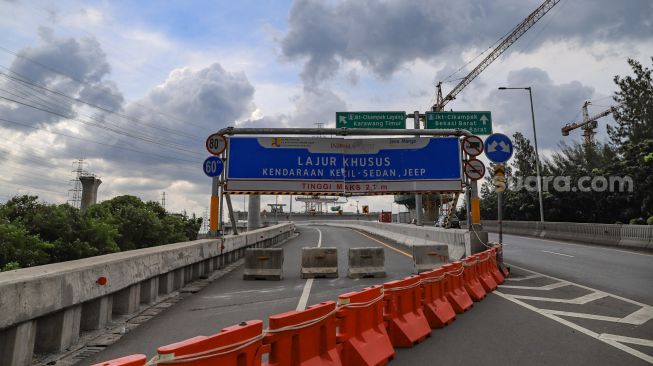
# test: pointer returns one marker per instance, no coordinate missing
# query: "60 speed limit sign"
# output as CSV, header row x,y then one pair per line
x,y
216,143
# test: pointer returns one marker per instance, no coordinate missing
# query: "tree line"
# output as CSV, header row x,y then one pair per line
x,y
626,156
34,233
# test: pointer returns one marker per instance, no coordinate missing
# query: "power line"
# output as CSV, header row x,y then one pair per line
x,y
23,80
84,83
98,142
144,139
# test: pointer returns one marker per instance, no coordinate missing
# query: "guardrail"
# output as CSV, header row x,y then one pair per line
x,y
460,242
44,308
632,236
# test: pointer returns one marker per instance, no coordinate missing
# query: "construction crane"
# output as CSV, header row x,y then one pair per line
x,y
516,33
511,38
588,124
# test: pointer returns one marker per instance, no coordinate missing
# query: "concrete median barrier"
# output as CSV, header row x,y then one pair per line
x,y
367,262
429,257
319,262
263,264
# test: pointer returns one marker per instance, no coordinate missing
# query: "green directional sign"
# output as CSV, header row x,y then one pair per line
x,y
478,123
395,120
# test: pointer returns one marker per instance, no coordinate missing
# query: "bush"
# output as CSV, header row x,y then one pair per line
x,y
649,221
637,221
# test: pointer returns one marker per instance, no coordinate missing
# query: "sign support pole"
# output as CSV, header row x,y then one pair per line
x,y
418,197
214,226
234,223
500,215
221,192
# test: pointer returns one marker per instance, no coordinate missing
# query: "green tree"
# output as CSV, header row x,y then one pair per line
x,y
633,139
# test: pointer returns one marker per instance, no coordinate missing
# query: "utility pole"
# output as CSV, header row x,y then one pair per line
x,y
163,200
418,196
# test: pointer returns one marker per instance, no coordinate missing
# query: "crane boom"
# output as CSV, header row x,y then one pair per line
x,y
588,124
517,32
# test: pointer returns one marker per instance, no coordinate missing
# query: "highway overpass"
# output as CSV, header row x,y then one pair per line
x,y
565,303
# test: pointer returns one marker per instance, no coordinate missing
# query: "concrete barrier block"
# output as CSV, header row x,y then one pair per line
x,y
319,262
428,257
263,264
17,344
367,262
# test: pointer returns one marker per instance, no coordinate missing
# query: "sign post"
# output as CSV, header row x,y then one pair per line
x,y
478,123
393,120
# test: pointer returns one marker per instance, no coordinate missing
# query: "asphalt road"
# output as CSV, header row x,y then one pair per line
x,y
531,320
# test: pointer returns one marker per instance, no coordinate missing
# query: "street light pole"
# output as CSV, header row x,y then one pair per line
x,y
537,154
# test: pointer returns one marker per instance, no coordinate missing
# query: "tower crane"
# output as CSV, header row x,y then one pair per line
x,y
588,124
516,33
507,41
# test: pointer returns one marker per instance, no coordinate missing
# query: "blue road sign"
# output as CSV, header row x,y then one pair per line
x,y
498,148
343,166
213,166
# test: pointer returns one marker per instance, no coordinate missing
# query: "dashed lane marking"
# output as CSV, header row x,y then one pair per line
x,y
556,253
385,244
303,299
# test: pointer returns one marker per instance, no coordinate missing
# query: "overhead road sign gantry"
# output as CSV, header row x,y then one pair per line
x,y
498,148
478,123
392,120
313,165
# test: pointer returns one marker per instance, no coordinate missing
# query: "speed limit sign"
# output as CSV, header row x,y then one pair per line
x,y
216,143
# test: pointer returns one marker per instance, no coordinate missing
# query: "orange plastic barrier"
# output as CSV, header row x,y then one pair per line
x,y
470,278
133,360
306,338
361,328
454,288
407,323
235,345
437,308
484,273
496,272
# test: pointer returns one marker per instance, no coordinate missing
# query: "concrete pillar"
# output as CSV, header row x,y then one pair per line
x,y
17,344
216,262
179,275
126,301
166,283
90,185
149,290
188,274
96,313
56,332
207,267
254,212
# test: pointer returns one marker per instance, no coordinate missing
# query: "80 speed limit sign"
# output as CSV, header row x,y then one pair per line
x,y
216,143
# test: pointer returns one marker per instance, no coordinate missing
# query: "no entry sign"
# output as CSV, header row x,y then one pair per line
x,y
474,169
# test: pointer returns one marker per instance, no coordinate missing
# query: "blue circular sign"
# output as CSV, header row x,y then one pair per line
x,y
498,148
213,166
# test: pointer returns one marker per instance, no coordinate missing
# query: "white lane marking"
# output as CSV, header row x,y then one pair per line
x,y
556,253
523,278
582,286
639,317
579,300
552,286
594,247
581,315
624,339
303,299
580,329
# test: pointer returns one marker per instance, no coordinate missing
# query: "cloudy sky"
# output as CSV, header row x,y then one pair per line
x,y
134,87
